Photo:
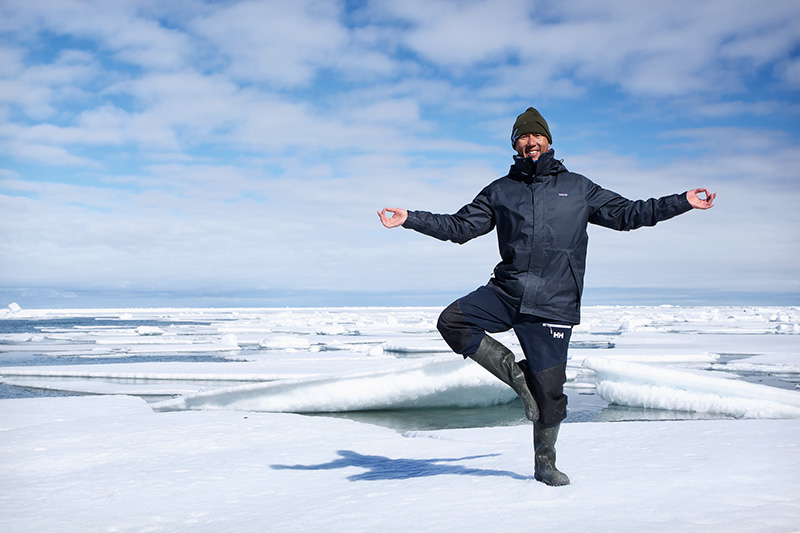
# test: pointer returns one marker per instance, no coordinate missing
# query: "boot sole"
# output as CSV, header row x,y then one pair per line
x,y
537,477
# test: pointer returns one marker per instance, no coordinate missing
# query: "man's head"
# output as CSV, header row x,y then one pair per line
x,y
531,134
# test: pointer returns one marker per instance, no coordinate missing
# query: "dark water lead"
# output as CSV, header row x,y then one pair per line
x,y
23,359
37,325
11,392
583,407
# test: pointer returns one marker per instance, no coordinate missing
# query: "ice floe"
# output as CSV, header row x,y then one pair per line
x,y
443,382
640,385
340,359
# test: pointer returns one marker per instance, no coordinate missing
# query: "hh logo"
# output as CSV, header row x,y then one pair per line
x,y
558,331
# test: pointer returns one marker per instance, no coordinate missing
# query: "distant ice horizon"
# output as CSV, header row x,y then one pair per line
x,y
64,298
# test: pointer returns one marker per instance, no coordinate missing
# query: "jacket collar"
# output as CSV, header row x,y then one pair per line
x,y
526,170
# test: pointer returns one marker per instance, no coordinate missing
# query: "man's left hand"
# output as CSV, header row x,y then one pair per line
x,y
699,203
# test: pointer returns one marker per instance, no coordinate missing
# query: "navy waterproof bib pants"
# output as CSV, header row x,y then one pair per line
x,y
465,322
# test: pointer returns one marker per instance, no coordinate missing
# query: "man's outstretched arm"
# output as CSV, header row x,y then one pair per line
x,y
616,212
472,220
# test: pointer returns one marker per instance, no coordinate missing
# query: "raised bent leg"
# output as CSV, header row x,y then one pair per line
x,y
500,361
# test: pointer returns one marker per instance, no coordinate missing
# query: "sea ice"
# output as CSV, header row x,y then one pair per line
x,y
149,330
441,382
304,352
111,464
639,385
210,459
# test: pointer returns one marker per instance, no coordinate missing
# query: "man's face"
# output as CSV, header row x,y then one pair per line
x,y
532,145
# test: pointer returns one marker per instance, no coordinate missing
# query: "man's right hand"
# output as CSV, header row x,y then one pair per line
x,y
398,216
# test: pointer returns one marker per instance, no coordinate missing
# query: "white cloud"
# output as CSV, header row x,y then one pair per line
x,y
644,48
38,90
279,42
457,34
789,71
122,28
46,154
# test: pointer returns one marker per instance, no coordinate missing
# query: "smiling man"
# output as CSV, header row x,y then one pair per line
x,y
540,211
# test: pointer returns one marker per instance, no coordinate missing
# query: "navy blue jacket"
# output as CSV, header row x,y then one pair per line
x,y
541,212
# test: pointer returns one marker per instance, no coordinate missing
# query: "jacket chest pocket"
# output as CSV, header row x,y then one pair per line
x,y
565,220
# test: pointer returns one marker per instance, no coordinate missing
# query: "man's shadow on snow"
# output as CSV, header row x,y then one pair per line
x,y
379,468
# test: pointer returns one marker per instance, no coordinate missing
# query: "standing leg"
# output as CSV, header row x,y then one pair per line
x,y
544,455
545,345
463,326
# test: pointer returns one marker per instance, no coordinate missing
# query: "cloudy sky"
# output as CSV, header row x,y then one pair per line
x,y
212,152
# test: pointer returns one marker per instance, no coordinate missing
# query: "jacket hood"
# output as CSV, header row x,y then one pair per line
x,y
525,169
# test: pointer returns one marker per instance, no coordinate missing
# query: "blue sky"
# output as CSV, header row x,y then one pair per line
x,y
194,152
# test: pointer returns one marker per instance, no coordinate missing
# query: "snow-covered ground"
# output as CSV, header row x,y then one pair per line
x,y
191,423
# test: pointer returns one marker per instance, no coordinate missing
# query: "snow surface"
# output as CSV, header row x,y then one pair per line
x,y
112,464
219,446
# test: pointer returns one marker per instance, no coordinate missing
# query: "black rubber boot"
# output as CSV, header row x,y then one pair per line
x,y
500,361
544,456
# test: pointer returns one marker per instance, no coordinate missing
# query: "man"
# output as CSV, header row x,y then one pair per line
x,y
541,212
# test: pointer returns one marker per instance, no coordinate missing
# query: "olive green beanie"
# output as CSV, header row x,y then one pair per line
x,y
531,121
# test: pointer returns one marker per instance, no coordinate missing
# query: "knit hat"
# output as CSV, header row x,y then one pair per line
x,y
531,121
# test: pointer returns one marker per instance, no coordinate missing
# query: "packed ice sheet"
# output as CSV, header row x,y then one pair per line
x,y
108,463
354,359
